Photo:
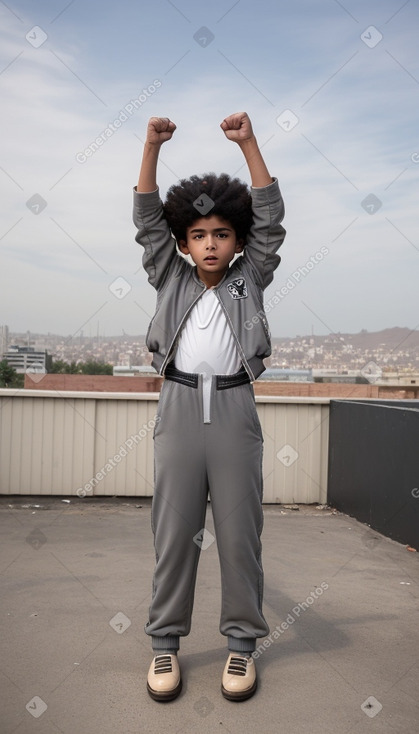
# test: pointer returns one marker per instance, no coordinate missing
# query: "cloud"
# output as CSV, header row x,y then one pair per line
x,y
354,137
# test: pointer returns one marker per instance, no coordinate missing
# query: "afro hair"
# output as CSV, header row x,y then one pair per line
x,y
228,198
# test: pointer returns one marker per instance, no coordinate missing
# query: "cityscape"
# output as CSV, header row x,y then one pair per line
x,y
394,352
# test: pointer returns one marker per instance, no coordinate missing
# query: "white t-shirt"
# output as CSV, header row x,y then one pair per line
x,y
206,345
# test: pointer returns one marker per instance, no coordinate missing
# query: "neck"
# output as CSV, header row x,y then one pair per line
x,y
210,279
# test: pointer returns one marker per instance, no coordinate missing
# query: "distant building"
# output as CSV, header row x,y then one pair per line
x,y
134,370
4,340
342,379
287,375
27,359
403,379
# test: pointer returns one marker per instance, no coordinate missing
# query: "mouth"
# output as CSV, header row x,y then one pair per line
x,y
210,259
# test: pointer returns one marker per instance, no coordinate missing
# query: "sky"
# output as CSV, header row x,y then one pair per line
x,y
332,90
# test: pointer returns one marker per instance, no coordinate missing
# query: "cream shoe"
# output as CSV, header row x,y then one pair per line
x,y
239,678
164,681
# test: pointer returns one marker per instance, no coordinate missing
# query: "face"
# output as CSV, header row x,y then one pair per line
x,y
212,244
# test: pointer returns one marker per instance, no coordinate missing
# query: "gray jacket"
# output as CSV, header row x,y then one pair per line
x,y
240,292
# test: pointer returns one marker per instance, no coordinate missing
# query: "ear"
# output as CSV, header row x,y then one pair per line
x,y
183,247
239,246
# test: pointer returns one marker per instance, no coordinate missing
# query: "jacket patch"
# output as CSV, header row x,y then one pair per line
x,y
237,288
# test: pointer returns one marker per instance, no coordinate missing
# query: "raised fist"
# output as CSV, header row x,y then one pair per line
x,y
237,127
159,130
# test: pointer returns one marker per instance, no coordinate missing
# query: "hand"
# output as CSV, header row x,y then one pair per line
x,y
237,127
159,130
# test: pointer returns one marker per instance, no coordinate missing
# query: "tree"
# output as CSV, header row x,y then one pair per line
x,y
9,376
58,366
91,367
72,368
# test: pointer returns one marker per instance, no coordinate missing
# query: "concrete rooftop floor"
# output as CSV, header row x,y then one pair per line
x,y
76,583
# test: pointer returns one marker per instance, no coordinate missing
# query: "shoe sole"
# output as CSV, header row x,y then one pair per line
x,y
166,695
241,695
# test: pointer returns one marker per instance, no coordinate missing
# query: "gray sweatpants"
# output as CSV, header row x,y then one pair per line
x,y
193,459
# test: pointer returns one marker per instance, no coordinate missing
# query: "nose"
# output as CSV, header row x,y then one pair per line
x,y
210,243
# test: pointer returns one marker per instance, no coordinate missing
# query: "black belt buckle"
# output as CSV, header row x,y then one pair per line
x,y
190,379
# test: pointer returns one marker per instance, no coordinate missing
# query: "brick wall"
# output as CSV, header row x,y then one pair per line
x,y
335,390
109,383
94,383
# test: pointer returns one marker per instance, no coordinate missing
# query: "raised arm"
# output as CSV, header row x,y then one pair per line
x,y
238,128
153,230
267,233
159,130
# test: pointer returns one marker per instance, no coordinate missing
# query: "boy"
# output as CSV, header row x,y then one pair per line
x,y
208,439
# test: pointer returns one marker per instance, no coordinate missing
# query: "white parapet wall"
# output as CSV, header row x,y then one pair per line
x,y
101,444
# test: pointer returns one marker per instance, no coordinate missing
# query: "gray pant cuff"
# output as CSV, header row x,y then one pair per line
x,y
241,644
169,642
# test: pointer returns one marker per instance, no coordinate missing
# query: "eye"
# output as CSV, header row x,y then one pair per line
x,y
223,235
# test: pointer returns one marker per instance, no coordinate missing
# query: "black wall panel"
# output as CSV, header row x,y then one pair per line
x,y
374,465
